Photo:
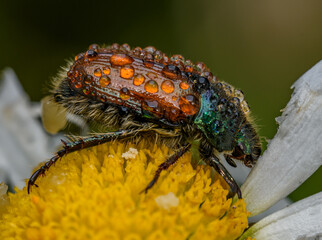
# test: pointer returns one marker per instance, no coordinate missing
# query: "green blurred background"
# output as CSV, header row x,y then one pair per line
x,y
261,47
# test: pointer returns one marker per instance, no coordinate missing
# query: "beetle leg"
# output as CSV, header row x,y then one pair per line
x,y
216,164
81,143
166,164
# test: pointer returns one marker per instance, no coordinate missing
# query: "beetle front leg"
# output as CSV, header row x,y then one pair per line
x,y
216,164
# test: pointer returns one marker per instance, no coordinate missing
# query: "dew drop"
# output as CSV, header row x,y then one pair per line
x,y
201,83
138,80
115,46
86,90
151,86
150,49
103,98
189,104
167,86
188,68
91,53
121,59
208,75
70,73
125,94
177,58
165,59
104,81
79,56
152,75
137,51
221,107
106,70
127,72
244,107
171,71
88,79
239,94
235,101
126,47
201,66
227,89
148,60
184,85
151,105
97,72
78,85
158,56
94,46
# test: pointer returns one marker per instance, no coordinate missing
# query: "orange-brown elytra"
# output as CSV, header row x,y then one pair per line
x,y
144,93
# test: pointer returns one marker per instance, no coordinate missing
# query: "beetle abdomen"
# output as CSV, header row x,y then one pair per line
x,y
145,81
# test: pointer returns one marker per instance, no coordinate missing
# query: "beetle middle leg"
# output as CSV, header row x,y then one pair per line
x,y
81,143
166,164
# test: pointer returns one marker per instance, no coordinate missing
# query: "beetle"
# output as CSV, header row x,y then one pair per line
x,y
144,93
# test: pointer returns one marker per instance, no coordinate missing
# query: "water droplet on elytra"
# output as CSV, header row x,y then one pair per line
x,y
88,79
104,81
167,86
171,71
188,68
148,60
97,72
138,80
86,90
151,105
151,86
121,59
70,73
244,107
94,46
184,85
106,70
79,56
127,72
152,75
78,85
149,49
126,47
103,98
125,94
189,104
91,53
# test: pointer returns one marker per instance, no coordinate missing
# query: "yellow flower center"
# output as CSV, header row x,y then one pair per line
x,y
95,194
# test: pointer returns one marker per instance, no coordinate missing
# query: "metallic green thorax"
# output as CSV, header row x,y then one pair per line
x,y
220,118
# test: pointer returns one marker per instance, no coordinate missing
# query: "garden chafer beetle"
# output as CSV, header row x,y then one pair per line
x,y
143,93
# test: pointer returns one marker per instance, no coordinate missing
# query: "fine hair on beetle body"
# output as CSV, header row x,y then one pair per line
x,y
143,93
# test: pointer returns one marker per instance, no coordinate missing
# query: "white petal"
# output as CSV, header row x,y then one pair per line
x,y
23,142
301,220
295,152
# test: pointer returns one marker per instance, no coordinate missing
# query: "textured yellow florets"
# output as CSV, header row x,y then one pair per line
x,y
95,194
